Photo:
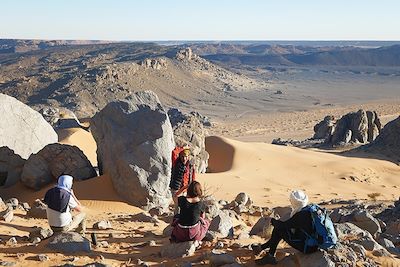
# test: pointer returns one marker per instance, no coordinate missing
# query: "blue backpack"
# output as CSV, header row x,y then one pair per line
x,y
324,236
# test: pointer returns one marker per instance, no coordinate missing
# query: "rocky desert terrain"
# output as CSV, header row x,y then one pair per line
x,y
110,114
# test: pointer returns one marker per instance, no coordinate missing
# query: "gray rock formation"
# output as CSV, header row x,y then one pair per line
x,y
188,130
222,224
55,159
134,142
388,141
354,127
184,54
349,231
325,128
23,129
155,63
11,166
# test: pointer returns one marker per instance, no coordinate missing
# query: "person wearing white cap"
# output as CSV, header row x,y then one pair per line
x,y
60,201
292,230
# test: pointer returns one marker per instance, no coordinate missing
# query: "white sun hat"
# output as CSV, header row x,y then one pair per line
x,y
298,200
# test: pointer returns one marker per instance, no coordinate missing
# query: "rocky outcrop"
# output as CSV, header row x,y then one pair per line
x,y
325,128
185,54
134,142
388,141
23,129
11,166
188,130
354,127
154,63
53,160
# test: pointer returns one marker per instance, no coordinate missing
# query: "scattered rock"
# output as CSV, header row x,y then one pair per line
x,y
38,210
40,232
179,250
13,202
70,242
43,257
12,241
7,215
103,225
221,259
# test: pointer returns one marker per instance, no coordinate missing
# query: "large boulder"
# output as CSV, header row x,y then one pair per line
x,y
325,128
23,129
134,142
11,166
54,160
189,130
355,123
388,141
354,127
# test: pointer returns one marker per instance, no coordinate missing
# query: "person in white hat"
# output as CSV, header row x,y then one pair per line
x,y
292,230
60,200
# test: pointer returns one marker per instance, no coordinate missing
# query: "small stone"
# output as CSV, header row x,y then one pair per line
x,y
142,263
25,206
13,202
36,240
43,257
12,241
103,244
7,215
7,263
152,243
219,245
103,225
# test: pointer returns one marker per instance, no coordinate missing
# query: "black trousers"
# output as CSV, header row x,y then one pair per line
x,y
291,231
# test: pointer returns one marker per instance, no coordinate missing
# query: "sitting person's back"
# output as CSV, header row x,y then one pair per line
x,y
190,224
299,231
60,200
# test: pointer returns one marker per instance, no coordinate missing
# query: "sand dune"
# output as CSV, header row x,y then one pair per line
x,y
268,172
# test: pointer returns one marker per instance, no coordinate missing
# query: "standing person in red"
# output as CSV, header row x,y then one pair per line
x,y
182,173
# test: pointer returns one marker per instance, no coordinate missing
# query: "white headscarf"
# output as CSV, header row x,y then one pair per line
x,y
299,200
65,182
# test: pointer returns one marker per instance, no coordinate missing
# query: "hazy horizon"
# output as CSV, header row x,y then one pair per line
x,y
222,20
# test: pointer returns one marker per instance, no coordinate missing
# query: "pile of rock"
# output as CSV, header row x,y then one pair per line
x,y
359,232
189,130
154,63
354,127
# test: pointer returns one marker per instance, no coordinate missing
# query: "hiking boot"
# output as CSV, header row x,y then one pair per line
x,y
267,259
256,249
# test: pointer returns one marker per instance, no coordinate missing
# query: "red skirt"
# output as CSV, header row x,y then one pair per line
x,y
191,233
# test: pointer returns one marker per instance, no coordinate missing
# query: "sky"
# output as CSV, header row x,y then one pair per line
x,y
163,20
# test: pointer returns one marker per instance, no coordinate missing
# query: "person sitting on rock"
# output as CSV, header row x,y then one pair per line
x,y
294,231
191,223
60,200
182,173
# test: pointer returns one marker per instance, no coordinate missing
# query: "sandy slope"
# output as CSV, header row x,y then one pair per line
x,y
268,172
